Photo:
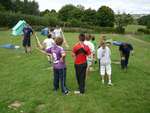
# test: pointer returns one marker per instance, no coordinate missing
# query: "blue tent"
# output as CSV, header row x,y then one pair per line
x,y
45,31
18,28
9,46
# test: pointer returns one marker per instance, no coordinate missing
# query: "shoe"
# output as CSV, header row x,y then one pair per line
x,y
76,92
66,93
110,84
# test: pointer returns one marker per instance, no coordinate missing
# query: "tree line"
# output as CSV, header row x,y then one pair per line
x,y
68,16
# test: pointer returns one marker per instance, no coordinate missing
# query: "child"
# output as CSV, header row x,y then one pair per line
x,y
102,40
27,31
80,53
90,58
59,33
125,50
59,65
48,43
103,54
95,47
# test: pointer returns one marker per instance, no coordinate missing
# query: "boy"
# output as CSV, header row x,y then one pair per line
x,y
27,31
90,58
125,50
103,54
80,53
59,33
48,43
59,66
95,47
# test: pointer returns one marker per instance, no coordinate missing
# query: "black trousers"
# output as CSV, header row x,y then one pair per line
x,y
80,70
26,42
124,63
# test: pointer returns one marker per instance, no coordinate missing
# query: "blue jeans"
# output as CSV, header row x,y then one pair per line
x,y
60,75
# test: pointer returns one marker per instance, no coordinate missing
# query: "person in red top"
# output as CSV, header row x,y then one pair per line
x,y
80,52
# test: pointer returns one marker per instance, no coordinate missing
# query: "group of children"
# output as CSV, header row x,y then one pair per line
x,y
84,54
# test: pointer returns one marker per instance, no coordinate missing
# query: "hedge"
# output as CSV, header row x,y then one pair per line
x,y
143,30
10,19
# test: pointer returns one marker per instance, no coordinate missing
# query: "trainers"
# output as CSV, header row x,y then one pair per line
x,y
76,92
110,84
66,93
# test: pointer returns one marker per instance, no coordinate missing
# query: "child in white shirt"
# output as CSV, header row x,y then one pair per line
x,y
47,44
103,54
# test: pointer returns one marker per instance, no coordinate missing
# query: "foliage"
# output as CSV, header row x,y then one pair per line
x,y
144,20
69,12
143,30
89,16
122,20
25,6
105,17
10,19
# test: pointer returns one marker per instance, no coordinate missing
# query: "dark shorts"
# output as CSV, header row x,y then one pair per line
x,y
26,42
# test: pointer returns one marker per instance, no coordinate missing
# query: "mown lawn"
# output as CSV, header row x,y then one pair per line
x,y
133,28
28,80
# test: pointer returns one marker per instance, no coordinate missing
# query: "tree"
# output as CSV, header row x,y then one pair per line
x,y
89,16
105,17
144,20
6,4
2,8
69,12
123,20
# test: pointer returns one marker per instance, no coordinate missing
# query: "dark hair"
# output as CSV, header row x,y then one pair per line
x,y
49,36
59,41
93,38
82,37
52,29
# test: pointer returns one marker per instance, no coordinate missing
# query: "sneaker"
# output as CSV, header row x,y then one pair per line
x,y
110,84
66,93
76,92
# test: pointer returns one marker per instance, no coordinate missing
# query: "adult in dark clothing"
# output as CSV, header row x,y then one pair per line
x,y
125,50
27,31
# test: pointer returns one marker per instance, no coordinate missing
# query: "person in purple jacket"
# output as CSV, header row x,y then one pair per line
x,y
59,66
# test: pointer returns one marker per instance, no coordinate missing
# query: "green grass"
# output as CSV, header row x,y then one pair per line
x,y
25,78
133,28
143,37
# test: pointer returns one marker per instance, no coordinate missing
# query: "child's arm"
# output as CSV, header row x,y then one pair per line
x,y
44,52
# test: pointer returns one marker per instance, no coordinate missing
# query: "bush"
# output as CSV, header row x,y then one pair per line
x,y
143,30
120,30
76,29
10,19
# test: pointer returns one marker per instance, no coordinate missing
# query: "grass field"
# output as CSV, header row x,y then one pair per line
x,y
133,28
27,79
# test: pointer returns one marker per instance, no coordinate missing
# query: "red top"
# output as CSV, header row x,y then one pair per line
x,y
81,51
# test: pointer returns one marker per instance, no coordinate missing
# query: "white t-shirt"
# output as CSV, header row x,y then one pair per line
x,y
57,32
90,45
104,55
48,43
